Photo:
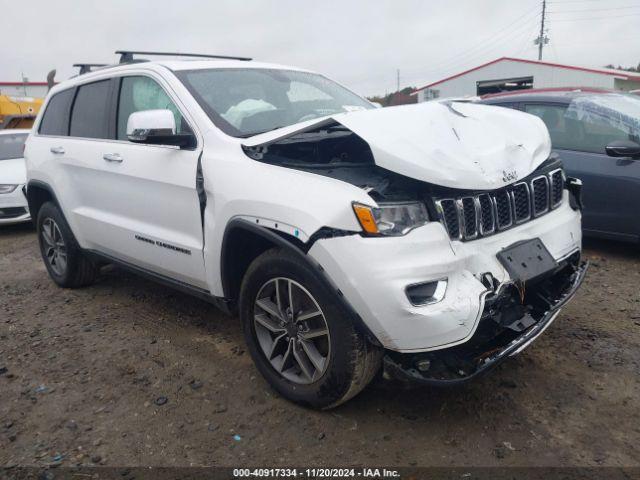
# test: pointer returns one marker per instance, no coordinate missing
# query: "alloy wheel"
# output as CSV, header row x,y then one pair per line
x,y
55,249
292,330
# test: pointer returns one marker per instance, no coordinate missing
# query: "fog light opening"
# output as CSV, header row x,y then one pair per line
x,y
426,293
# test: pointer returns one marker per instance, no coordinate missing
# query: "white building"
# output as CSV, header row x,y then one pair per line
x,y
24,89
505,74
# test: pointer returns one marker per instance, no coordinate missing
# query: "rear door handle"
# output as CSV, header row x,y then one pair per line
x,y
57,150
112,157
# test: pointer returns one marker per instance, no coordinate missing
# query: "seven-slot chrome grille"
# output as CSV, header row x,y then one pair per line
x,y
472,216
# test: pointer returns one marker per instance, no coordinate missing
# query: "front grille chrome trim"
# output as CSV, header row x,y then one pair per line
x,y
498,210
494,198
551,175
481,215
466,234
537,213
512,195
440,208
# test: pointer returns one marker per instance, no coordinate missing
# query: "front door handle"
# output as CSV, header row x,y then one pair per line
x,y
112,157
57,150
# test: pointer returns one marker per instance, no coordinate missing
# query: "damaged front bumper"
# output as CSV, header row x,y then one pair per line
x,y
373,275
511,320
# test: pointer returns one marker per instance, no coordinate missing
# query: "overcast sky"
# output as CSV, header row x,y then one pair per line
x,y
359,43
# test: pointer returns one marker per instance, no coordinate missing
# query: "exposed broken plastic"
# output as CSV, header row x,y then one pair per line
x,y
493,345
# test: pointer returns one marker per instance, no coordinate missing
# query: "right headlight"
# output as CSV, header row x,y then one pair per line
x,y
391,219
7,188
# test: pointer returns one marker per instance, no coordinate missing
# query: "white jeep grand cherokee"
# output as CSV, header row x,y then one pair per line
x,y
428,242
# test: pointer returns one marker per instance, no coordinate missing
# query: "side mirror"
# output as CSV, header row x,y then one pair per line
x,y
623,148
157,127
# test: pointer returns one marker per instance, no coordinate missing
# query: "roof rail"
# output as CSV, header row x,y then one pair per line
x,y
86,67
126,56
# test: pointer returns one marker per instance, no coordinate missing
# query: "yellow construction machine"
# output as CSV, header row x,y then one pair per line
x,y
18,112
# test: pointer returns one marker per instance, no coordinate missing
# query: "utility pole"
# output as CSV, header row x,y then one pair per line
x,y
398,81
542,40
25,80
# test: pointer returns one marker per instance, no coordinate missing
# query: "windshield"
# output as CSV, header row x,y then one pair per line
x,y
11,145
246,102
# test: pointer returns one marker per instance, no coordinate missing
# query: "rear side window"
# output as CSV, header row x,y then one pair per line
x,y
90,113
55,120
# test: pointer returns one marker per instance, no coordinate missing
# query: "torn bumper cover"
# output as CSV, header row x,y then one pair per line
x,y
512,319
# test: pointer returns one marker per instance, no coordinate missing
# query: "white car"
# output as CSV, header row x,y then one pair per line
x,y
13,177
428,242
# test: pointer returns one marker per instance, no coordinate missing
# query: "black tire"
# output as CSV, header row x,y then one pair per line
x,y
78,270
352,360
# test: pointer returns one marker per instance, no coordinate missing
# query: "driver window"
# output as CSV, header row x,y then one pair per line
x,y
143,93
579,128
600,131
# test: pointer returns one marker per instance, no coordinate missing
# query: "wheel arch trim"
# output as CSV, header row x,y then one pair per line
x,y
31,200
280,241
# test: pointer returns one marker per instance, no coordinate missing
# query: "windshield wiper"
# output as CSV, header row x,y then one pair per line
x,y
259,132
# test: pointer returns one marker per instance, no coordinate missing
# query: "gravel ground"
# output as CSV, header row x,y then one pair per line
x,y
129,373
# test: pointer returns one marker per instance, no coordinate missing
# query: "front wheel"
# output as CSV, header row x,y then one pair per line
x,y
301,339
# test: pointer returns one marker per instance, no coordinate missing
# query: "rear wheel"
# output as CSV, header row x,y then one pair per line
x,y
302,341
65,261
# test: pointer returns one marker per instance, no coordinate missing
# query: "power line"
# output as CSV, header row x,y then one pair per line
x,y
514,29
476,58
526,36
572,1
486,44
510,35
599,42
595,9
462,62
603,17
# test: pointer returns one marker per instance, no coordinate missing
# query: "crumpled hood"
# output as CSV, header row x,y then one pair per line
x,y
453,144
13,171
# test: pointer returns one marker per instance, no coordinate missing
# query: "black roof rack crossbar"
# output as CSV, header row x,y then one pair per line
x,y
86,67
126,56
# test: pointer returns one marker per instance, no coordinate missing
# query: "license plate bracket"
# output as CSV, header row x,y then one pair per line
x,y
527,260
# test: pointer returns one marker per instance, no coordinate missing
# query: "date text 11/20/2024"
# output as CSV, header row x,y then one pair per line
x,y
315,473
